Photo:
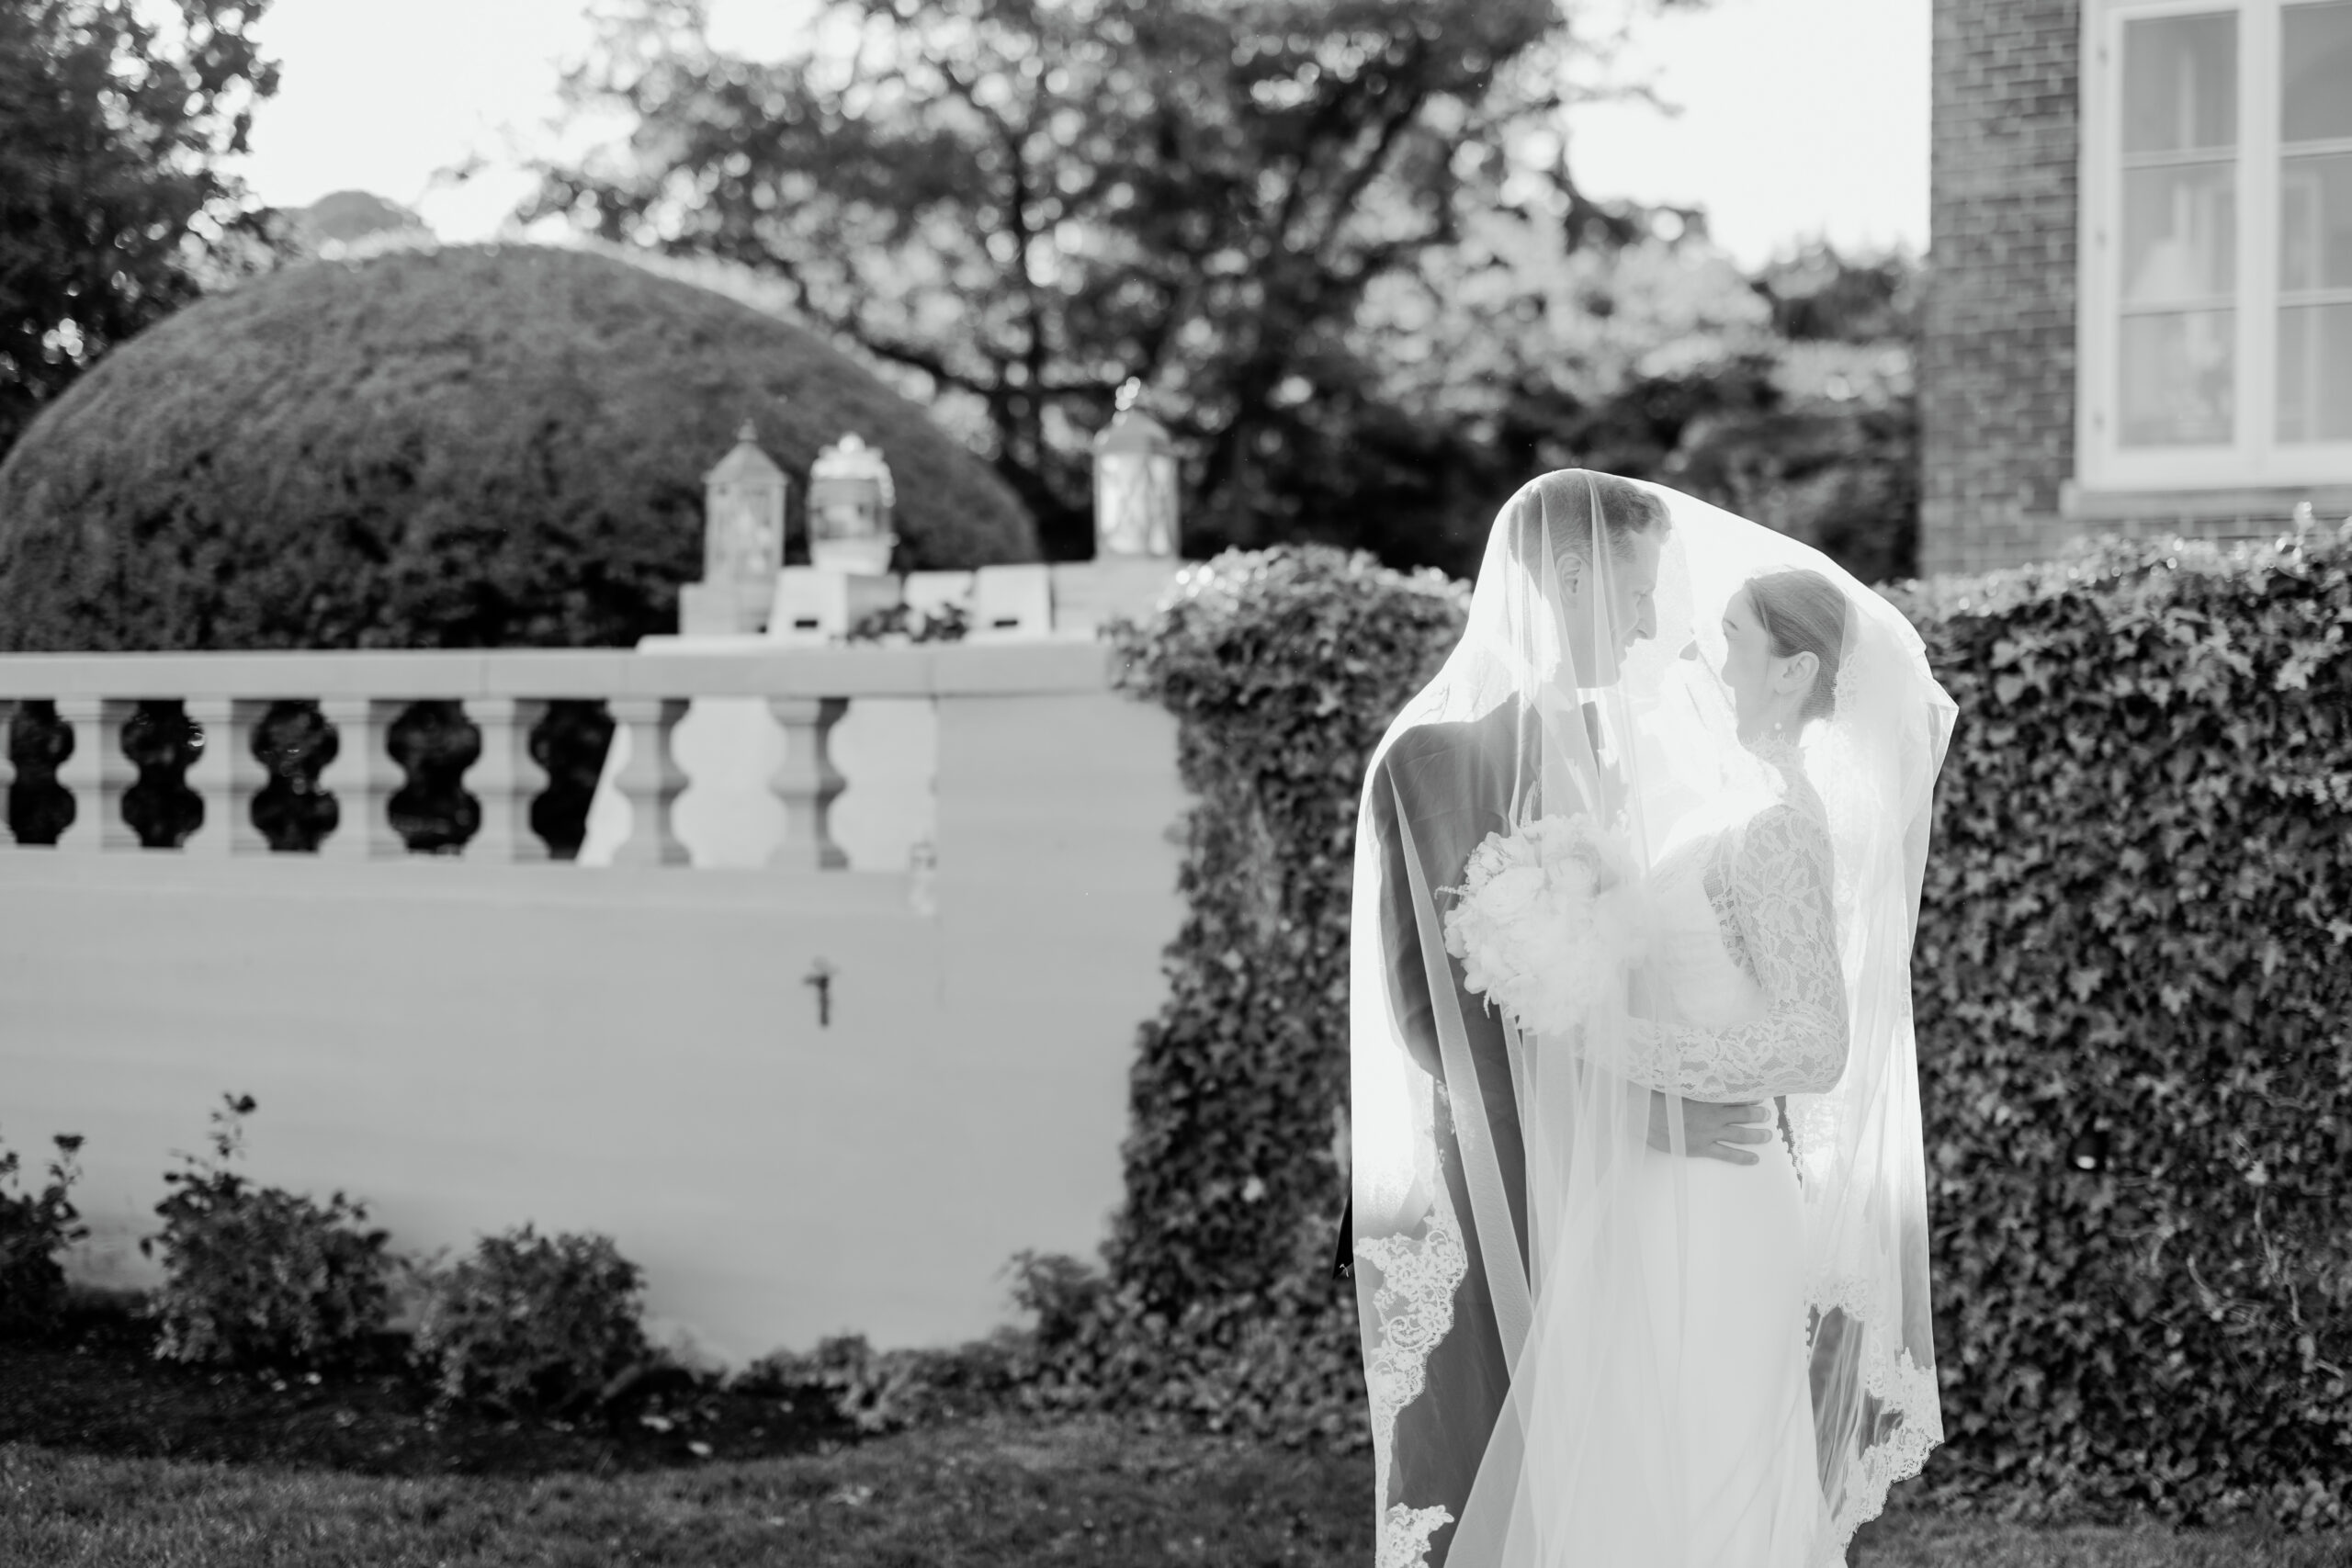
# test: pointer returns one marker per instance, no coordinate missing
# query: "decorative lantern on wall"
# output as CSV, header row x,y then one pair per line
x,y
743,514
1134,484
850,502
742,542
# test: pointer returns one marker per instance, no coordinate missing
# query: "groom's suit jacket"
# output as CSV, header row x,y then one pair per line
x,y
1452,783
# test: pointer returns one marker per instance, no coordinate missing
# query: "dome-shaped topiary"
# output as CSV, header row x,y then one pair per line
x,y
475,447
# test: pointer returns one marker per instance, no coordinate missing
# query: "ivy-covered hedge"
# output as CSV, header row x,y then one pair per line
x,y
1282,668
2133,984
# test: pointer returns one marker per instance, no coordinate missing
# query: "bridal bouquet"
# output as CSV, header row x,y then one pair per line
x,y
1545,921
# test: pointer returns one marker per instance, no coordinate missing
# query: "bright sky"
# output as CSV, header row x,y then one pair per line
x,y
1800,117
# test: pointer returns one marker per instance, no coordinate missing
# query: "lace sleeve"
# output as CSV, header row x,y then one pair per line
x,y
1780,898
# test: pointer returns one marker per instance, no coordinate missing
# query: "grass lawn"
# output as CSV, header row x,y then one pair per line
x,y
984,1495
111,1459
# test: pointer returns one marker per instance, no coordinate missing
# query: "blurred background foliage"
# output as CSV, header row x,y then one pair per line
x,y
116,203
1338,242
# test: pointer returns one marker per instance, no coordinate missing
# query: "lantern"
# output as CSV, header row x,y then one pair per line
x,y
1134,484
850,502
743,513
743,541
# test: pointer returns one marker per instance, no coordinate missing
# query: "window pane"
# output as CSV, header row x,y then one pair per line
x,y
2316,67
2177,378
2181,83
2179,233
2316,373
2315,221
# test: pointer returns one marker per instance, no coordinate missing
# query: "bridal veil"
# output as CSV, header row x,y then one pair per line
x,y
1517,1240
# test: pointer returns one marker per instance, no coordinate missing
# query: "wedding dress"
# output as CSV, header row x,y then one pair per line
x,y
1741,941
1584,1351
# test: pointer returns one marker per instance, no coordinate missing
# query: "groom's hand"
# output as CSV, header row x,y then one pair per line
x,y
1710,1131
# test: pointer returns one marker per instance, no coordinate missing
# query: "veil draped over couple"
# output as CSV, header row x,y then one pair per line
x,y
1638,1217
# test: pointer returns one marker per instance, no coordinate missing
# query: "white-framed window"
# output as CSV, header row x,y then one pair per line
x,y
2215,309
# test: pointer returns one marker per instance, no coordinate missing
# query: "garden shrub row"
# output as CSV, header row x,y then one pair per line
x,y
2133,984
258,1277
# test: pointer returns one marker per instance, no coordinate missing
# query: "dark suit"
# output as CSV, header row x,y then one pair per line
x,y
1453,784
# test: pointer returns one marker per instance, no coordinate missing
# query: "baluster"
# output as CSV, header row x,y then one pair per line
x,y
226,776
363,778
506,779
807,782
98,773
8,762
651,780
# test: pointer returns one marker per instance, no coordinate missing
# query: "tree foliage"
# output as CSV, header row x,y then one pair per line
x,y
474,447
1029,203
1566,334
1340,244
115,205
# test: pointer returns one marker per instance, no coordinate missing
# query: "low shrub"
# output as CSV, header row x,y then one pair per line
x,y
256,1276
35,1228
532,1324
888,1391
1280,1364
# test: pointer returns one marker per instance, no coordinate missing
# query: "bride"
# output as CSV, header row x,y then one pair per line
x,y
1639,1223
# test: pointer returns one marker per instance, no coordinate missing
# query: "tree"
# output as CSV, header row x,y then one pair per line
x,y
471,447
115,210
1545,337
1340,242
1027,202
1828,449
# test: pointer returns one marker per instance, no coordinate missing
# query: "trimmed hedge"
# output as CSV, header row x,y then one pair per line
x,y
474,447
2134,995
2131,953
1282,668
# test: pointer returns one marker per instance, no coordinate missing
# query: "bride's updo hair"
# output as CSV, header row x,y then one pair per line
x,y
1802,612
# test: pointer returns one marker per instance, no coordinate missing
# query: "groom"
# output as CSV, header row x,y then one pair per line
x,y
1453,786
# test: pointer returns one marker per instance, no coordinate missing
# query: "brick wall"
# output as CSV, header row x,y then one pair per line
x,y
1997,369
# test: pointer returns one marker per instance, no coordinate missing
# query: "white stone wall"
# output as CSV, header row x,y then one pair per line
x,y
634,1050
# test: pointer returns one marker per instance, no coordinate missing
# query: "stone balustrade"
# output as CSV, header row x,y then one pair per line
x,y
629,1042
504,694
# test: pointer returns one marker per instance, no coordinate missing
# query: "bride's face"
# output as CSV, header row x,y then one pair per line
x,y
1749,669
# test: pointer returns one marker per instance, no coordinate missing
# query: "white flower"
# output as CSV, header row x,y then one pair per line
x,y
1545,921
1508,895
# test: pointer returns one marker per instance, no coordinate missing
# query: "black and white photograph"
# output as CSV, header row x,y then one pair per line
x,y
1270,783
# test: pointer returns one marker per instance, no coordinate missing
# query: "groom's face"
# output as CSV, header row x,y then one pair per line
x,y
1610,610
